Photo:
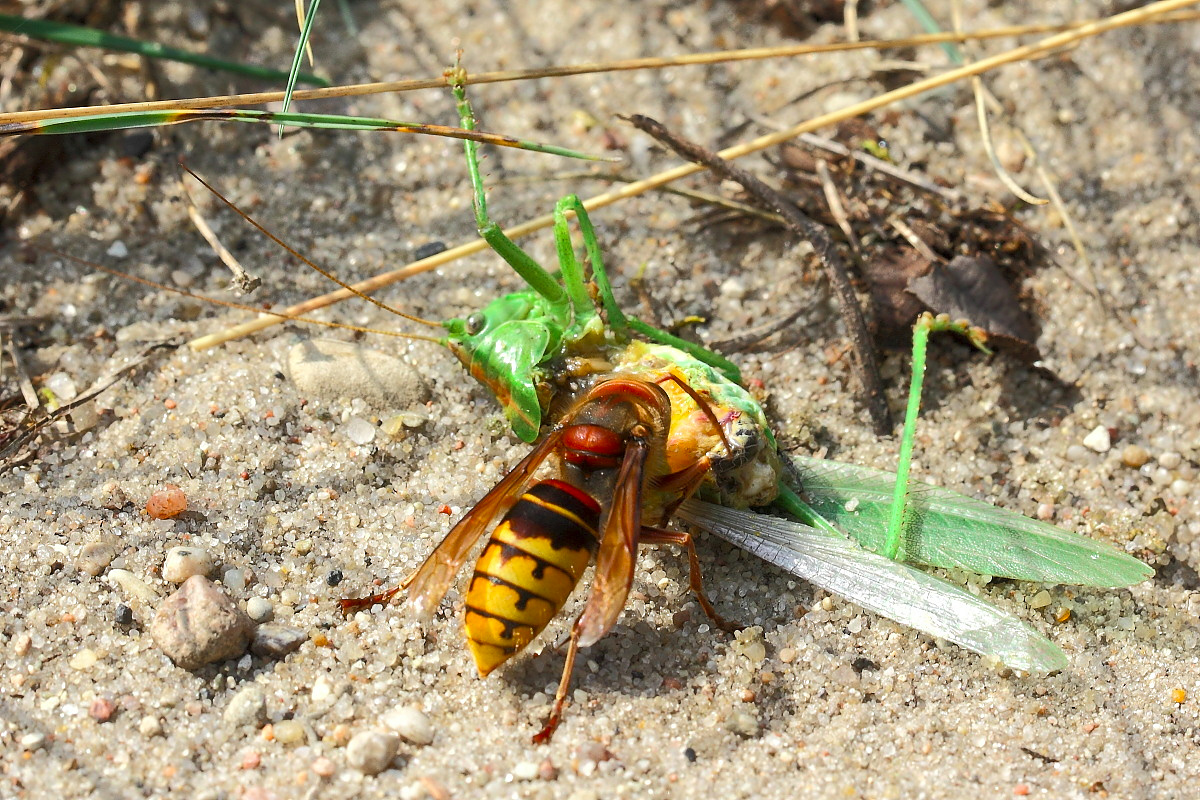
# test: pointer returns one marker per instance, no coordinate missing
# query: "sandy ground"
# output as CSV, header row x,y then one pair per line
x,y
838,702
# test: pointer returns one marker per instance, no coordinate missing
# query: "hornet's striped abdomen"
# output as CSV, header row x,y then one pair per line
x,y
531,563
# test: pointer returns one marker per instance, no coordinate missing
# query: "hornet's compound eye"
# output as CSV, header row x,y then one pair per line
x,y
476,323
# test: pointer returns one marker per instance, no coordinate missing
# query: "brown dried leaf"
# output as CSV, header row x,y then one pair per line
x,y
973,288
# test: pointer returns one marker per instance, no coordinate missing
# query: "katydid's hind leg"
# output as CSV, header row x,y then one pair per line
x,y
564,683
898,518
695,579
591,246
573,277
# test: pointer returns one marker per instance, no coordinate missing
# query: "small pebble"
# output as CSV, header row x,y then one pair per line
x,y
333,578
123,615
322,689
251,759
150,726
166,503
339,736
411,723
102,709
134,587
371,752
276,641
200,625
428,250
525,771
110,495
1179,695
33,741
94,558
234,580
117,249
1040,600
184,562
1170,460
246,708
84,659
1099,439
21,644
260,609
1045,511
324,767
547,771
1134,456
359,431
289,731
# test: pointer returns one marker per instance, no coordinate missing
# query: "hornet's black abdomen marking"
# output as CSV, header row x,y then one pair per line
x,y
531,563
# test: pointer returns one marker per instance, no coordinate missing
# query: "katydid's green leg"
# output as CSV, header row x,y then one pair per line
x,y
572,271
533,274
616,318
926,324
619,321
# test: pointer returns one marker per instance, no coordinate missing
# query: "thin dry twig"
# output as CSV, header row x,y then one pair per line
x,y
833,199
867,367
245,282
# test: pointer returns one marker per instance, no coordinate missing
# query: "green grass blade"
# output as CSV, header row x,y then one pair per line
x,y
309,17
79,36
897,591
142,119
947,529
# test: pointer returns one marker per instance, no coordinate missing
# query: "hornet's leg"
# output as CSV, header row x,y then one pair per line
x,y
564,683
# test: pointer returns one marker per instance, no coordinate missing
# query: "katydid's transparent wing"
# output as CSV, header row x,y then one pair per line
x,y
894,590
947,529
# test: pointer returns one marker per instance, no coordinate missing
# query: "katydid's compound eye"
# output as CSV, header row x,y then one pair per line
x,y
475,323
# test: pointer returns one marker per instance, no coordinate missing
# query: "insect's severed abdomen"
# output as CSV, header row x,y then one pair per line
x,y
531,563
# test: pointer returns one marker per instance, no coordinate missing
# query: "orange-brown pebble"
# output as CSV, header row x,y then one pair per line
x,y
1062,615
251,759
1178,695
1021,789
102,709
166,503
748,696
169,403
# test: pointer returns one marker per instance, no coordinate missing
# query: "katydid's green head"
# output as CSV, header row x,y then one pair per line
x,y
503,347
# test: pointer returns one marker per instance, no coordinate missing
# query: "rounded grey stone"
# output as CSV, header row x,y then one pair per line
x,y
332,370
371,752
